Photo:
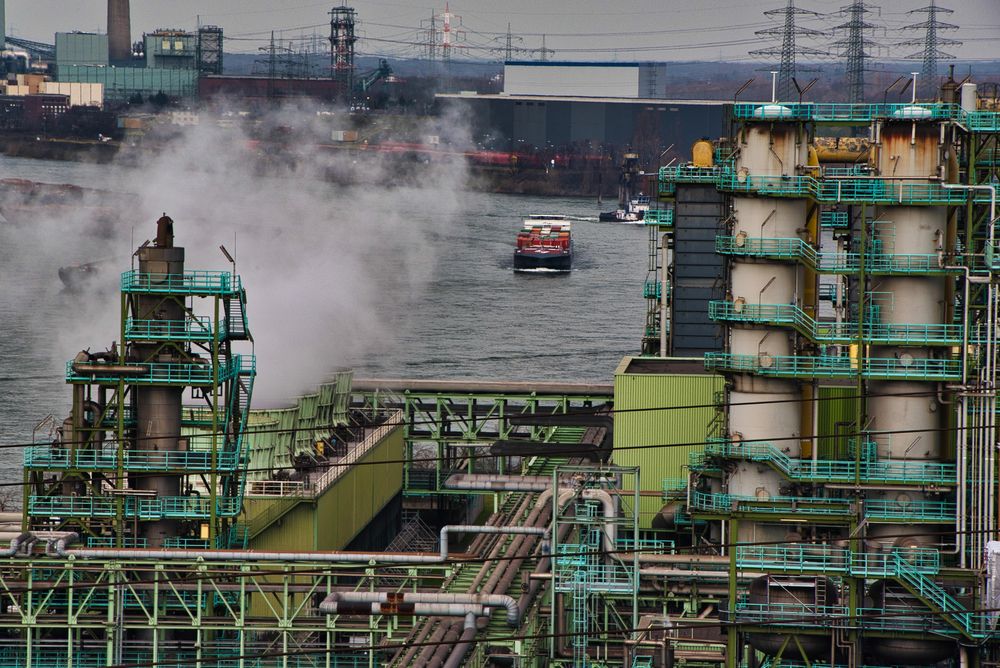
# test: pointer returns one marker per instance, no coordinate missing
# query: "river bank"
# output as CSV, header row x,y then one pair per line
x,y
511,180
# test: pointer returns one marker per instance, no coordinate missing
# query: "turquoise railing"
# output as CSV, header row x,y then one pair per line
x,y
158,373
933,593
874,509
180,507
826,366
832,560
833,219
909,511
689,174
845,190
801,505
193,329
652,289
662,217
871,470
830,332
645,545
57,458
793,248
789,614
109,541
864,113
190,282
230,657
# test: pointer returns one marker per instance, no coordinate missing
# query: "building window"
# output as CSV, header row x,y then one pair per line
x,y
166,45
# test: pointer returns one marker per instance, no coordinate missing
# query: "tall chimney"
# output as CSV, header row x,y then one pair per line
x,y
119,31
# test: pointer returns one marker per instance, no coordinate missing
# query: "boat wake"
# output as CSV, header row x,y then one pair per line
x,y
541,270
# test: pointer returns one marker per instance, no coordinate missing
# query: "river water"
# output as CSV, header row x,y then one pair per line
x,y
453,309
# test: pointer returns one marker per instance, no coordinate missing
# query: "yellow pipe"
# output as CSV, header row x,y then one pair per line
x,y
840,155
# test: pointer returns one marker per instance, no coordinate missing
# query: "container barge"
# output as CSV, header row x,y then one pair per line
x,y
544,244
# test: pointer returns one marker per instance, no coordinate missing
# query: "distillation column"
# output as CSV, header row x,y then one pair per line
x,y
158,407
766,150
907,304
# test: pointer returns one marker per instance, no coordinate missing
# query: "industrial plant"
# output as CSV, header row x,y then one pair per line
x,y
798,468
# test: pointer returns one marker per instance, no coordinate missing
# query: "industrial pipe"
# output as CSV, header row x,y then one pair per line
x,y
24,539
423,609
485,529
401,598
591,494
463,645
490,483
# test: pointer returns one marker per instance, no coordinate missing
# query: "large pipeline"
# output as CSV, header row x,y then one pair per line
x,y
402,599
476,528
374,608
484,482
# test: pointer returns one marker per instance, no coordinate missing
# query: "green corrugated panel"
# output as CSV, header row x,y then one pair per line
x,y
643,417
333,520
74,48
123,82
836,420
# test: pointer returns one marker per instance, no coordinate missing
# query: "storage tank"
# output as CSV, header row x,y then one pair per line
x,y
789,598
895,602
763,410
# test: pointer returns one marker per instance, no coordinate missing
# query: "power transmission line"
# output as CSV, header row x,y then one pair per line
x,y
788,50
932,43
855,48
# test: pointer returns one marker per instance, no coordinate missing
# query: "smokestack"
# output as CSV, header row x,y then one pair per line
x,y
119,31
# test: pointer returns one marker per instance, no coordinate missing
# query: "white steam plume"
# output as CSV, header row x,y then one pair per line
x,y
323,265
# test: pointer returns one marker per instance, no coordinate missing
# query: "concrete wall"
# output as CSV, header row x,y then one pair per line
x,y
80,94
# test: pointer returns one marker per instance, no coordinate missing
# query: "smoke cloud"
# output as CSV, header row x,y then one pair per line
x,y
325,266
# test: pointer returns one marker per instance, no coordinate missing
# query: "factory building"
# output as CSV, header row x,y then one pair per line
x,y
588,109
585,79
170,62
800,471
585,124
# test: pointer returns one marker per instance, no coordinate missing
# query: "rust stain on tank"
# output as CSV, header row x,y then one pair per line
x,y
908,154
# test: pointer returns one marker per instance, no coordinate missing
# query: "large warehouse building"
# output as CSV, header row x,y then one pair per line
x,y
589,106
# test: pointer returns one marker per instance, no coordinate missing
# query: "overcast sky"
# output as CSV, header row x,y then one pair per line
x,y
574,29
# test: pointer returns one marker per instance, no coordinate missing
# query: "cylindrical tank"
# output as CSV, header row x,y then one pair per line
x,y
702,153
906,420
909,150
894,600
773,149
786,598
970,97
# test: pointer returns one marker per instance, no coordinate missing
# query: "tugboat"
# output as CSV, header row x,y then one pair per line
x,y
631,209
544,244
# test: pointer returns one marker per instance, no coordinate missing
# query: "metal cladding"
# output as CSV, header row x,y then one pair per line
x,y
119,31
